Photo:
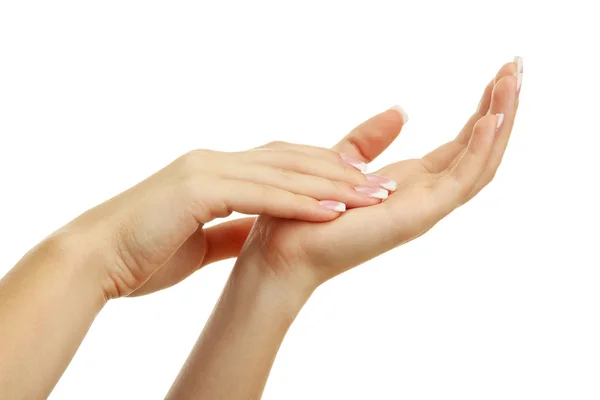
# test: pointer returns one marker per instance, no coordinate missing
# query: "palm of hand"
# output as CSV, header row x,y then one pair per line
x,y
355,237
428,189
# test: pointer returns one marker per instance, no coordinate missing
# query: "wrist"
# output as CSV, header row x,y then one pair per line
x,y
284,290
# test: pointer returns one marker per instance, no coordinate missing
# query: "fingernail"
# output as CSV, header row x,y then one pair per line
x,y
500,121
519,74
355,162
333,205
370,191
383,182
400,111
519,61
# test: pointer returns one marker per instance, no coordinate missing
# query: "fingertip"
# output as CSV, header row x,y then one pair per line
x,y
491,122
507,69
373,136
332,205
504,92
401,112
484,132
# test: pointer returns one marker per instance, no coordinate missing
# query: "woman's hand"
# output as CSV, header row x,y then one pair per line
x,y
283,261
151,237
426,190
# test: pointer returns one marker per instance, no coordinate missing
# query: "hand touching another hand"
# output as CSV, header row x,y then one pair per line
x,y
427,189
151,237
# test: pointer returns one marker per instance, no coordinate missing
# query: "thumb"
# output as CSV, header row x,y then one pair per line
x,y
225,240
372,137
206,246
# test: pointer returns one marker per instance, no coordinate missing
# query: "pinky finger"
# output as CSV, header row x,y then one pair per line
x,y
455,186
260,199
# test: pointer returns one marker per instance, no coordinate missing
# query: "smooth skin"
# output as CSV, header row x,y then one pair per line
x,y
151,237
284,261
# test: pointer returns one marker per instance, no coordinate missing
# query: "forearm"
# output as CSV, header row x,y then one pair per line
x,y
236,350
47,303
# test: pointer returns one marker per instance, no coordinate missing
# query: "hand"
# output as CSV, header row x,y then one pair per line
x,y
151,237
427,189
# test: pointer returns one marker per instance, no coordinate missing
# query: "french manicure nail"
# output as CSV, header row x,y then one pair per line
x,y
500,121
519,73
370,191
355,162
400,111
519,77
519,62
333,205
383,182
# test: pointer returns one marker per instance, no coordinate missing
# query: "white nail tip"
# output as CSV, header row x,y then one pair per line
x,y
519,62
519,74
391,186
355,162
519,79
362,167
376,193
500,120
380,194
400,111
340,207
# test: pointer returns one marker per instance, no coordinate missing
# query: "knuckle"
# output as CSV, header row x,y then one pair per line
x,y
192,161
462,190
295,161
354,175
339,187
333,155
276,144
286,175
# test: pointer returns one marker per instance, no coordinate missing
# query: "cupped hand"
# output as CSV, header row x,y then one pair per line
x,y
426,190
151,236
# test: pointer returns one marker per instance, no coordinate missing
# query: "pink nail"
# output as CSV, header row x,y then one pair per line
x,y
333,205
355,162
371,191
383,182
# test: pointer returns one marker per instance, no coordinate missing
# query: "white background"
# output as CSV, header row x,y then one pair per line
x,y
499,301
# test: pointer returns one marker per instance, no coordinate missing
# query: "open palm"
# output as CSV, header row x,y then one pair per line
x,y
428,189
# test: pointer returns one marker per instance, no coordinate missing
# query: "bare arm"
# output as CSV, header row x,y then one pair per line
x,y
151,237
236,350
47,304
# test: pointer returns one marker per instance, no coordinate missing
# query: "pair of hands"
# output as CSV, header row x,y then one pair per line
x,y
151,236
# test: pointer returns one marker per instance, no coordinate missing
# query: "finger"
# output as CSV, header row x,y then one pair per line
x,y
323,163
504,101
372,137
312,186
483,109
442,157
328,154
214,244
259,199
314,151
453,188
225,240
